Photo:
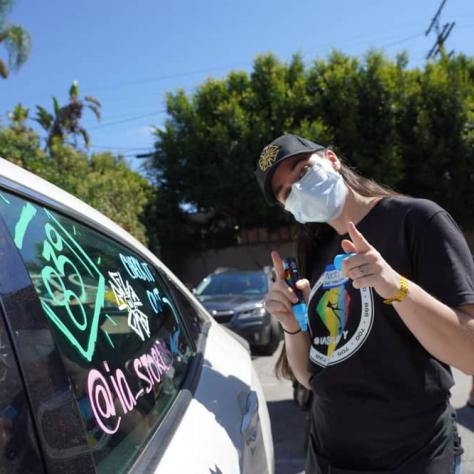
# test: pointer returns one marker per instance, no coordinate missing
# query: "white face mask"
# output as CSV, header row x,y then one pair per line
x,y
318,196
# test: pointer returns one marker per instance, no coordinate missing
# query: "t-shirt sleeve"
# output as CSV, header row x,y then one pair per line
x,y
444,265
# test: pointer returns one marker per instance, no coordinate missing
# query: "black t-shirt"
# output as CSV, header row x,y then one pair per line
x,y
381,401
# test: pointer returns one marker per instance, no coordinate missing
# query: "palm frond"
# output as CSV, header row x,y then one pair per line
x,y
92,100
5,9
85,136
3,69
17,42
56,106
95,110
43,117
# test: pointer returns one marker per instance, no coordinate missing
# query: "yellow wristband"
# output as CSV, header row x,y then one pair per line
x,y
401,294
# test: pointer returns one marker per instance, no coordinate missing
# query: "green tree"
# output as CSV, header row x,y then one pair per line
x,y
409,128
104,181
21,145
115,190
65,122
14,39
19,116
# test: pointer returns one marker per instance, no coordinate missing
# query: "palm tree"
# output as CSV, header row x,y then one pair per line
x,y
18,116
15,39
66,120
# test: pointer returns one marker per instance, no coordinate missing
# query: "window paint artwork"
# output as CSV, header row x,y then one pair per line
x,y
128,300
104,387
114,322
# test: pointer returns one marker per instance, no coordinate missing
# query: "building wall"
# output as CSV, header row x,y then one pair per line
x,y
245,257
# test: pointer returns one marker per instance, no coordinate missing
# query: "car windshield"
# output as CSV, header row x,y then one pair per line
x,y
251,283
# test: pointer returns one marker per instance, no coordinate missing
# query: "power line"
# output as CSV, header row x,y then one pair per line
x,y
206,70
169,76
138,117
404,40
125,148
130,119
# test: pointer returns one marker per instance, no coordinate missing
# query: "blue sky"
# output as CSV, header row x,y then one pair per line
x,y
129,54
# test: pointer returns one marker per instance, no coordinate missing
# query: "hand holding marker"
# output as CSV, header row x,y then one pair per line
x,y
291,277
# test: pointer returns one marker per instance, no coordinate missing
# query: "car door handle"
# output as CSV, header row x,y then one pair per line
x,y
250,420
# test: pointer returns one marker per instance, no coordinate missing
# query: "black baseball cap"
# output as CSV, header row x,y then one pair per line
x,y
274,153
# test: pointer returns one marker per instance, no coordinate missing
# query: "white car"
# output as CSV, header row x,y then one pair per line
x,y
107,362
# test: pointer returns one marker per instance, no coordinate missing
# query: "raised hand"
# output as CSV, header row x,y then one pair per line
x,y
281,298
368,268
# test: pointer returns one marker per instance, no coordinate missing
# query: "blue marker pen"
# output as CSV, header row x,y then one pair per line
x,y
291,277
338,259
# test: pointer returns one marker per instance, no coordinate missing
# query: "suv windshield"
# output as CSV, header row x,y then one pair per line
x,y
244,283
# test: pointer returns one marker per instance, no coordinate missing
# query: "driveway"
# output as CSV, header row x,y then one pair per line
x,y
287,419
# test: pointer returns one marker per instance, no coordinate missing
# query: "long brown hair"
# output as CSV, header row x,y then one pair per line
x,y
310,237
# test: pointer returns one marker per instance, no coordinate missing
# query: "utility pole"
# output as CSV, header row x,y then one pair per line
x,y
442,33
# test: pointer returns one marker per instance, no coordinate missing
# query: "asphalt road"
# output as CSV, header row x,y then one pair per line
x,y
288,420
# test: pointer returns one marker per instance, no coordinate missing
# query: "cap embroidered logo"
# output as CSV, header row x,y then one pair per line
x,y
267,158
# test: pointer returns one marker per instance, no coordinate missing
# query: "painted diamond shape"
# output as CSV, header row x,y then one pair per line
x,y
61,251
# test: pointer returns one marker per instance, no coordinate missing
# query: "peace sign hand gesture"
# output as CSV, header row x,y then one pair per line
x,y
368,268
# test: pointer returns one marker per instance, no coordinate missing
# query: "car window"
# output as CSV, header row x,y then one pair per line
x,y
118,330
192,313
233,283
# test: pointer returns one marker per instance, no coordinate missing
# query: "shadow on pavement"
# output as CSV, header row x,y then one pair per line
x,y
288,429
465,417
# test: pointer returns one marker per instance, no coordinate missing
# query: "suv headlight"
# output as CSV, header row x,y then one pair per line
x,y
252,313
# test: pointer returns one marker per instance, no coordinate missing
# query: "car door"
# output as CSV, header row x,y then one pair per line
x,y
114,376
228,404
19,451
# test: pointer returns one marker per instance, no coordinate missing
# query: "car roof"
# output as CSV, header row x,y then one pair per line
x,y
20,181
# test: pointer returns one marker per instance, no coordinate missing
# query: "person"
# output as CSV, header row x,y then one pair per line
x,y
385,328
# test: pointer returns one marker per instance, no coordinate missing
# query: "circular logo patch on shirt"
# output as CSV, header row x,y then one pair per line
x,y
340,317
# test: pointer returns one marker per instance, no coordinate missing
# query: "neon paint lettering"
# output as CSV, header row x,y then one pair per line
x,y
101,401
154,368
102,393
121,388
4,199
137,270
27,213
155,300
137,365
